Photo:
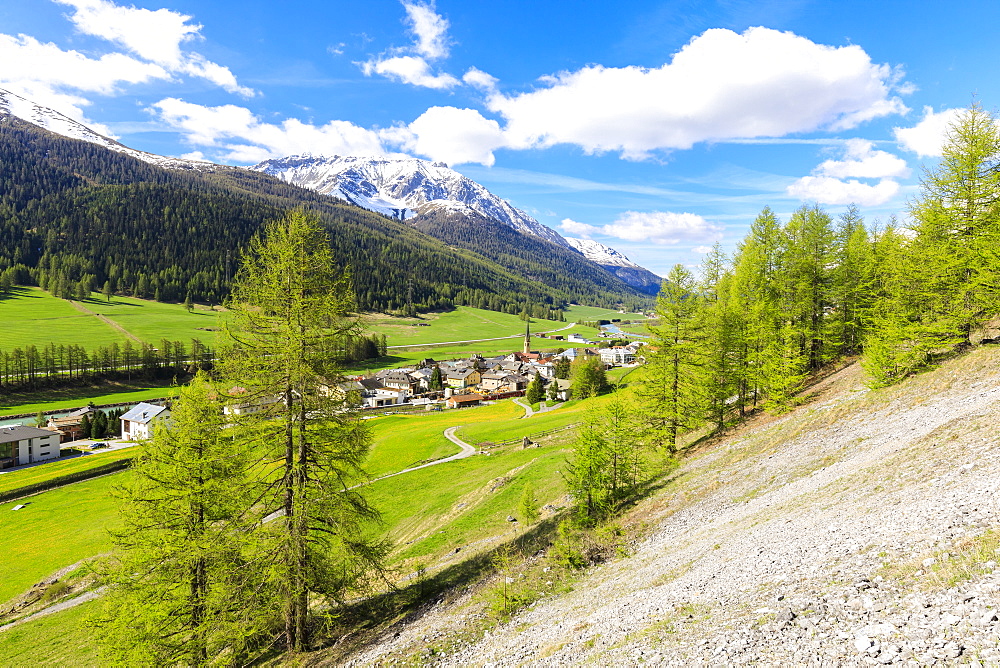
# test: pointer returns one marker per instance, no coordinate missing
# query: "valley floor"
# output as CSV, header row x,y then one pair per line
x,y
860,529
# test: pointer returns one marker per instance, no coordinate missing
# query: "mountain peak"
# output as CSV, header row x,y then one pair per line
x,y
400,187
12,104
599,253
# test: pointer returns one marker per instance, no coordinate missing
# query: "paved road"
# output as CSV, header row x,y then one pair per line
x,y
542,407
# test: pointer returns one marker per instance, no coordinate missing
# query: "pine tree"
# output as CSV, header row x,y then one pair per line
x,y
436,382
291,314
605,465
535,391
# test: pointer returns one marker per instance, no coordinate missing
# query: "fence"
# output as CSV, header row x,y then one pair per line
x,y
531,437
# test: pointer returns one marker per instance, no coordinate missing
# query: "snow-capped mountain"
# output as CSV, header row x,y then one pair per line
x,y
401,188
54,121
619,265
601,254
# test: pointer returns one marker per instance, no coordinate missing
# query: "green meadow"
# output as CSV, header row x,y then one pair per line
x,y
59,639
23,477
428,514
30,316
462,324
56,528
65,398
590,313
152,321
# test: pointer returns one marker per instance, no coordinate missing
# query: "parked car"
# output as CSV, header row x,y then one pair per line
x,y
99,444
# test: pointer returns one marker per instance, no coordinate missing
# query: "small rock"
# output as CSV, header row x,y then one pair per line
x,y
862,643
511,518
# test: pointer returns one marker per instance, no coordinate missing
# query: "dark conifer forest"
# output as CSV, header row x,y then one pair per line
x,y
75,216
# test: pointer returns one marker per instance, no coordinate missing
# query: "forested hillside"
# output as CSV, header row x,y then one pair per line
x,y
798,294
522,254
77,216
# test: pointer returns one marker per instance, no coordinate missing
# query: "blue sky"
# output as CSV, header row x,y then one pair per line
x,y
657,128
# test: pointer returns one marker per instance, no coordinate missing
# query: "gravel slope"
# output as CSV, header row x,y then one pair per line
x,y
857,530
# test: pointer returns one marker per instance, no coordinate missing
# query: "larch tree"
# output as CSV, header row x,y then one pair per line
x,y
176,593
671,393
291,317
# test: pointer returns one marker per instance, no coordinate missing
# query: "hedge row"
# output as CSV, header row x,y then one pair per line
x,y
67,479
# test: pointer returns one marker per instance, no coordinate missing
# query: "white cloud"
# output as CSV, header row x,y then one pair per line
x,y
409,69
411,65
429,28
927,137
47,75
451,135
479,79
828,190
662,227
861,161
702,250
658,227
576,229
720,86
155,36
236,134
836,181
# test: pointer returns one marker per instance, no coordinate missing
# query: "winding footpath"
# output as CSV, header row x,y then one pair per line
x,y
467,450
543,407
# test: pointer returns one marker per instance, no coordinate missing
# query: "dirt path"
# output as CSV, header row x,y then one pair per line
x,y
106,320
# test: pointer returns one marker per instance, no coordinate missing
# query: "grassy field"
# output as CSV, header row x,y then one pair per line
x,y
427,513
471,500
76,397
60,639
23,477
56,529
462,324
402,441
30,316
589,313
152,321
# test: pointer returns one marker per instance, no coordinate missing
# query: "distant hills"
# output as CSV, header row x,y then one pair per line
x,y
76,206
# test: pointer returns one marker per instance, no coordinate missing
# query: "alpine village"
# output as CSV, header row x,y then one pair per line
x,y
317,408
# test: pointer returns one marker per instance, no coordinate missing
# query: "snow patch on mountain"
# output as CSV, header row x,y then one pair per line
x,y
54,121
401,188
599,253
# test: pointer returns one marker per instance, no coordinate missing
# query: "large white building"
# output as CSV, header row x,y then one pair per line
x,y
26,445
137,424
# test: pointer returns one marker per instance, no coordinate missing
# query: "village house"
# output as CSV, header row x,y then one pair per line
x,y
616,355
70,426
463,400
396,378
462,378
421,379
376,395
27,445
246,404
137,424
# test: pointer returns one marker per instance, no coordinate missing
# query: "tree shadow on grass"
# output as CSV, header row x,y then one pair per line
x,y
362,622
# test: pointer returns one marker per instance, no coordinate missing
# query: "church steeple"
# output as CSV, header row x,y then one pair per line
x,y
527,337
